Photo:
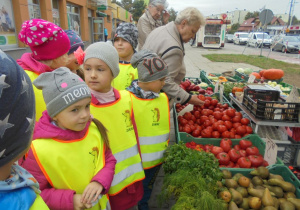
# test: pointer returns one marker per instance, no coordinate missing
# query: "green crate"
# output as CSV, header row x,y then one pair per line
x,y
288,85
246,77
205,79
254,138
282,170
176,120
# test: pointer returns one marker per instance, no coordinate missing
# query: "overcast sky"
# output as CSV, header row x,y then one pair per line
x,y
208,7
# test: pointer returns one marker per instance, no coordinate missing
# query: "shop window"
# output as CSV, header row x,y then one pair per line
x,y
55,12
108,18
73,18
7,26
34,9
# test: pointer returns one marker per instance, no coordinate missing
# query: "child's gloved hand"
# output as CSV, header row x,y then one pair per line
x,y
91,193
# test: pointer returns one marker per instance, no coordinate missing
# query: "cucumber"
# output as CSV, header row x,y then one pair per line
x,y
231,79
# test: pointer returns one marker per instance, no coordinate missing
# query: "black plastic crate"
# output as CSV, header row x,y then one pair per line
x,y
272,110
262,92
288,153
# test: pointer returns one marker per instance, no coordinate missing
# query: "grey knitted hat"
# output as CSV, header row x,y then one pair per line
x,y
150,66
105,52
129,32
61,88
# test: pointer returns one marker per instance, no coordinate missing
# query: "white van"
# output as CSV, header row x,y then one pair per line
x,y
259,39
240,38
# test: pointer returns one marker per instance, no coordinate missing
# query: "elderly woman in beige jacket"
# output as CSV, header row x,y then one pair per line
x,y
168,43
151,19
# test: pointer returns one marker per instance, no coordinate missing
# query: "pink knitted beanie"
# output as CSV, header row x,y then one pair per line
x,y
46,40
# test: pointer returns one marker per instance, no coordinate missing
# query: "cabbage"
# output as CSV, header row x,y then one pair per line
x,y
203,84
240,70
248,71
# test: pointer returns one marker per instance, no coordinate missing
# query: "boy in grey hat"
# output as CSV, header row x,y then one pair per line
x,y
125,42
151,112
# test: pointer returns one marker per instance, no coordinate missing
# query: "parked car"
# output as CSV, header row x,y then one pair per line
x,y
229,38
259,39
289,43
240,38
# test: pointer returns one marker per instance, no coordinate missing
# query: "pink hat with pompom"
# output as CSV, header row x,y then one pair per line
x,y
46,40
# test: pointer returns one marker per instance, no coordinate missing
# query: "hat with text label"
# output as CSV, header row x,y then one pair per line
x,y
46,40
61,88
150,66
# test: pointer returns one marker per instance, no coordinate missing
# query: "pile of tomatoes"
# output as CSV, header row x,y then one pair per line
x,y
242,155
214,120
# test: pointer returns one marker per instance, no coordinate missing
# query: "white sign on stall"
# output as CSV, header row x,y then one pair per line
x,y
251,79
221,93
270,151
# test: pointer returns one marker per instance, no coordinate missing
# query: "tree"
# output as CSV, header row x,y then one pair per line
x,y
127,5
295,20
138,9
234,28
173,14
251,15
116,2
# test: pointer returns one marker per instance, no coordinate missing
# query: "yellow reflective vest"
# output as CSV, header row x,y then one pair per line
x,y
152,118
126,76
72,164
40,104
39,204
116,117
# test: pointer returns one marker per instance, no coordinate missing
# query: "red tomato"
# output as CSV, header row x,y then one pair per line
x,y
225,134
183,121
222,128
235,125
212,120
198,121
216,150
193,118
233,130
226,118
196,133
203,119
239,114
191,122
244,144
230,112
192,127
214,102
236,119
187,116
208,98
244,162
207,123
249,130
232,135
256,161
253,150
228,124
240,130
187,129
206,133
209,128
237,136
223,158
215,134
215,126
197,114
225,106
218,115
245,121
207,103
243,152
227,140
201,97
225,145
208,146
221,122
216,109
180,128
230,164
234,155
237,147
265,163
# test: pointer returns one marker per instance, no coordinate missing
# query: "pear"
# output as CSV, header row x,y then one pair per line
x,y
232,206
245,204
286,205
226,174
269,208
231,183
275,176
289,195
267,199
286,186
276,202
236,196
295,201
243,191
237,176
255,203
261,171
276,190
257,181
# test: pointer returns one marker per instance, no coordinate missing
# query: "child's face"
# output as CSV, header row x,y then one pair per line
x,y
123,47
98,75
154,86
73,63
75,117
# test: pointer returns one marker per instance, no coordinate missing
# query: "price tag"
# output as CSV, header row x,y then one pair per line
x,y
271,151
216,87
294,96
188,108
251,79
221,93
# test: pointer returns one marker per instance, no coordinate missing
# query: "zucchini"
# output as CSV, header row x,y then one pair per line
x,y
231,79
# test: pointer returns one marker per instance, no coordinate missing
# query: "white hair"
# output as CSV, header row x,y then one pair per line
x,y
192,15
156,3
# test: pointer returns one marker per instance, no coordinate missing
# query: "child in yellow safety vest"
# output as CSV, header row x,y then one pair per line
x,y
70,155
125,42
18,188
152,115
115,109
49,45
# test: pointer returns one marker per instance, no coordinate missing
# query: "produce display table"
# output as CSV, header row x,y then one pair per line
x,y
260,122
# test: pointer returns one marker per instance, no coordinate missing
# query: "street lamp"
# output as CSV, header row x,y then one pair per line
x,y
252,27
239,15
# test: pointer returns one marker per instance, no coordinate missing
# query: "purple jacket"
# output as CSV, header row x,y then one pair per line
x,y
59,198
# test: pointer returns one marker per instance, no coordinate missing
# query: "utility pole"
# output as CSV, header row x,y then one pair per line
x,y
290,13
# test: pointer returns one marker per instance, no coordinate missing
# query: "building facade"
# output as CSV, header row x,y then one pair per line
x,y
87,18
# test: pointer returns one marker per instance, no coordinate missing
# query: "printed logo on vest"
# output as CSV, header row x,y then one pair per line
x,y
156,116
130,78
94,153
128,121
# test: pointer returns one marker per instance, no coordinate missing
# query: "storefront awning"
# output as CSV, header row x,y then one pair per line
x,y
101,14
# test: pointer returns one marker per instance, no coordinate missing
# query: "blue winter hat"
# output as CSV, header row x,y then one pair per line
x,y
17,109
75,41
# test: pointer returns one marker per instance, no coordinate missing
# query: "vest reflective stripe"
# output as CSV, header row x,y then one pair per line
x,y
72,170
126,76
40,105
152,117
116,117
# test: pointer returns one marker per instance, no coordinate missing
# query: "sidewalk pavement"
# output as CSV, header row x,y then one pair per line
x,y
194,63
